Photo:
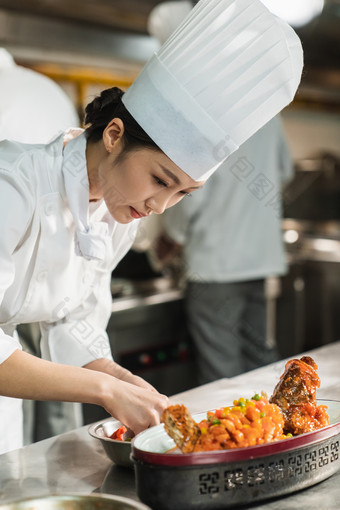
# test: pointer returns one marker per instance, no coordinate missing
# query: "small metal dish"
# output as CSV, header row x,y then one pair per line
x,y
118,451
76,502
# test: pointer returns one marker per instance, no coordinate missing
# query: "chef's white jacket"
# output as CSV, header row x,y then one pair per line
x,y
231,228
42,279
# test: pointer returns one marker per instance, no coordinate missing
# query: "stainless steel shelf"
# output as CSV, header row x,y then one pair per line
x,y
130,302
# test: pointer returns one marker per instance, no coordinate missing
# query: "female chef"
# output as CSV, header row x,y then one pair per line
x,y
68,209
68,212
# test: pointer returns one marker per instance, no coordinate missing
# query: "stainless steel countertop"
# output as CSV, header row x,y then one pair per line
x,y
76,463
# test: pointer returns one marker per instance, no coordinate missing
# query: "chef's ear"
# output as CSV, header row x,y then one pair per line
x,y
113,133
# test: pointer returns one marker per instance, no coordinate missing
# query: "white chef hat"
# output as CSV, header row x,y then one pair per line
x,y
228,68
166,16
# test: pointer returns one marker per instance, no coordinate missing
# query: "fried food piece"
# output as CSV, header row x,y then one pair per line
x,y
295,394
181,427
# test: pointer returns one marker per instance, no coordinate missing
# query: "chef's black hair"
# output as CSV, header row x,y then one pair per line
x,y
106,107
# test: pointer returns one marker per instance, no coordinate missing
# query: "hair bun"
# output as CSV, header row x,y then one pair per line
x,y
108,106
109,99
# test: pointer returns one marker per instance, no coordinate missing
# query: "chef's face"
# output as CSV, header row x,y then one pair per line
x,y
141,182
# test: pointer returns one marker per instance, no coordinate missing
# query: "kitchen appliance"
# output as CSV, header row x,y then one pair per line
x,y
306,310
229,478
148,336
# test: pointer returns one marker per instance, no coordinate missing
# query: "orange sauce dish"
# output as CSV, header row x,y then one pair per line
x,y
249,422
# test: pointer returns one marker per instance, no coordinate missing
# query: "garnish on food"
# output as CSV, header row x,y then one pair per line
x,y
119,433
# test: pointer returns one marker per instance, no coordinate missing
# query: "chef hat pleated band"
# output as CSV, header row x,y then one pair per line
x,y
229,67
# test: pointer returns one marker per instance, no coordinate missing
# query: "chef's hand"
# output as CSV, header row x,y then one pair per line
x,y
112,368
166,249
129,398
137,381
135,407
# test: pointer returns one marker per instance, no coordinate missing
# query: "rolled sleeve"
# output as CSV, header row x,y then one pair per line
x,y
8,345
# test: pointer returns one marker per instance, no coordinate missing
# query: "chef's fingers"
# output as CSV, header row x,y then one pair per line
x,y
136,407
139,381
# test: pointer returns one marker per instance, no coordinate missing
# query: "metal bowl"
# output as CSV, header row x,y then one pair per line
x,y
76,502
118,451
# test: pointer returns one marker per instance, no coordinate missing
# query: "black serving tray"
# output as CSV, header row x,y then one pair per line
x,y
230,478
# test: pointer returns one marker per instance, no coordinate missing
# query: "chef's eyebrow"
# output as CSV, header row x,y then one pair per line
x,y
170,174
174,177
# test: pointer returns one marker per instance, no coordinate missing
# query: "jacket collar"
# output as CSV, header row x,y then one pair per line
x,y
92,237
